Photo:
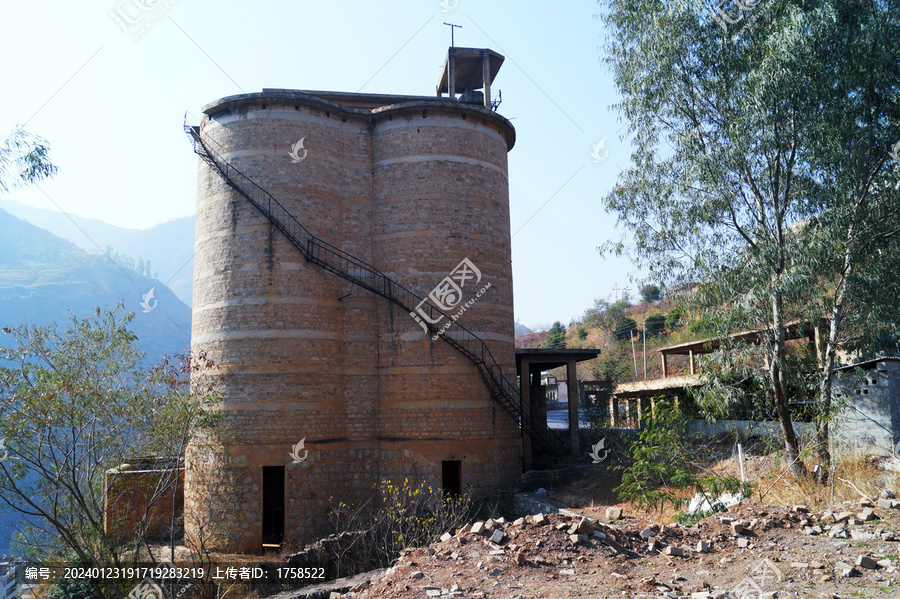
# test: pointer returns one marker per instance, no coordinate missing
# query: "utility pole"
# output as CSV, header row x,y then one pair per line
x,y
633,352
645,347
452,26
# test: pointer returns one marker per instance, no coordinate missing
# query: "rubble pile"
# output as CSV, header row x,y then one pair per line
x,y
775,552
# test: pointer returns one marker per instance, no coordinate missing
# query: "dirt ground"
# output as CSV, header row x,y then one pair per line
x,y
845,548
779,553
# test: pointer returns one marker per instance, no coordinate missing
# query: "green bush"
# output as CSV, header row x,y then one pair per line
x,y
655,324
663,457
673,319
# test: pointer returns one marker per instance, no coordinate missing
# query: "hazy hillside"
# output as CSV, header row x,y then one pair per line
x,y
169,246
521,329
44,278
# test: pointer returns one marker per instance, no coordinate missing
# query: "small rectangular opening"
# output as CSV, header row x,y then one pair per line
x,y
451,477
273,505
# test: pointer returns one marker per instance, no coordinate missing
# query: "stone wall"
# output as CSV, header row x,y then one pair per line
x,y
868,416
136,499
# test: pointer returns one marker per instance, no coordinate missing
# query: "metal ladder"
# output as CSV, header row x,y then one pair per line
x,y
368,277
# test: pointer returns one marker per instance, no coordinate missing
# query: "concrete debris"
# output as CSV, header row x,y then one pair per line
x,y
866,514
864,561
861,535
701,504
585,527
613,513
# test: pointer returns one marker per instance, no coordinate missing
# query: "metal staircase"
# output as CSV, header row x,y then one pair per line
x,y
368,277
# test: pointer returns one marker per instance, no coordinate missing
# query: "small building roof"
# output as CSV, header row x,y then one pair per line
x,y
869,364
793,330
467,69
655,386
554,358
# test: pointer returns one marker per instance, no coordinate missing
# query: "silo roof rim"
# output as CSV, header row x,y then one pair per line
x,y
400,102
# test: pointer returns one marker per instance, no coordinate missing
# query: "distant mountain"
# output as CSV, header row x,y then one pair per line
x,y
521,329
169,246
45,279
531,339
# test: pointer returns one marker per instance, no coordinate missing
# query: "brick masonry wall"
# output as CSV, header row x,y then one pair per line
x,y
868,419
412,191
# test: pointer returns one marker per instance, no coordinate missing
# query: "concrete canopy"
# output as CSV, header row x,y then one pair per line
x,y
468,70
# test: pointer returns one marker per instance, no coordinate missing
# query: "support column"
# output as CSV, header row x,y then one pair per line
x,y
665,366
691,357
525,392
451,74
486,78
614,411
572,383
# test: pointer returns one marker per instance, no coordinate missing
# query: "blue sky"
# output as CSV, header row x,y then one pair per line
x,y
111,103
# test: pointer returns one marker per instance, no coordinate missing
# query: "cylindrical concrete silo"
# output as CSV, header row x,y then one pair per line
x,y
441,196
410,185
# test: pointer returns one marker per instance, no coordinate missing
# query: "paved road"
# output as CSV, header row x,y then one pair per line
x,y
559,419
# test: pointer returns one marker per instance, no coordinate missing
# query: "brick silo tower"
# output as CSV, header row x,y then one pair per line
x,y
324,221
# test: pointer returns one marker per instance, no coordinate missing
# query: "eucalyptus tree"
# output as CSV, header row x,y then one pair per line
x,y
75,403
24,158
760,146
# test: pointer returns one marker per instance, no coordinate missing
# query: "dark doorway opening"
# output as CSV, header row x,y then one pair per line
x,y
451,477
273,505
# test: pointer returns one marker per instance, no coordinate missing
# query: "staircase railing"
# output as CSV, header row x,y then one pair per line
x,y
362,274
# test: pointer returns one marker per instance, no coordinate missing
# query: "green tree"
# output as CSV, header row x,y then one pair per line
x,y
24,158
673,318
556,337
605,315
761,145
650,293
626,329
74,404
654,324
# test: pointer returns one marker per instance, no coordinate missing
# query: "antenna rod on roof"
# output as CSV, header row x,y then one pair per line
x,y
451,25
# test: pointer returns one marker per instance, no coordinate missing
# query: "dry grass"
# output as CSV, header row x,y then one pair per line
x,y
774,486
